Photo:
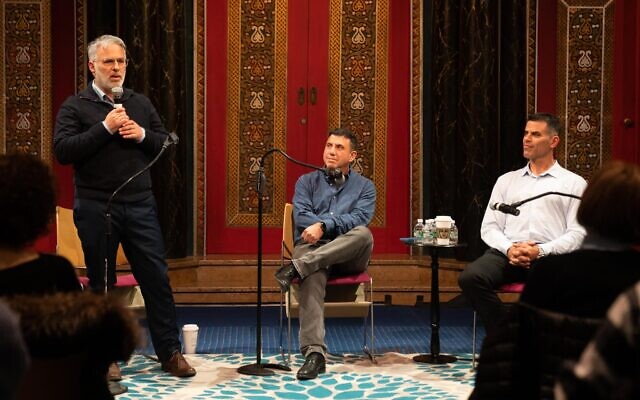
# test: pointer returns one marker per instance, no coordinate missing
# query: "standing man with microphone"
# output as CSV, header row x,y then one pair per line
x,y
110,134
331,212
547,225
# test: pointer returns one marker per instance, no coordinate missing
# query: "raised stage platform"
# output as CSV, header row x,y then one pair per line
x,y
399,279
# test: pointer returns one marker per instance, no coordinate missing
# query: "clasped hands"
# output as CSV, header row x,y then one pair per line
x,y
118,120
312,233
522,254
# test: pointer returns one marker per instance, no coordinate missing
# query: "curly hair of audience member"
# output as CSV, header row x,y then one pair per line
x,y
27,200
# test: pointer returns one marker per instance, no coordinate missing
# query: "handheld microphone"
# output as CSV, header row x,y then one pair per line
x,y
117,96
335,175
505,208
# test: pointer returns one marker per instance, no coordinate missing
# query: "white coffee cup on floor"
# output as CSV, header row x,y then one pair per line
x,y
190,338
443,229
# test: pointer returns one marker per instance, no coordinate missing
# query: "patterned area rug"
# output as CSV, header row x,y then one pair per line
x,y
395,376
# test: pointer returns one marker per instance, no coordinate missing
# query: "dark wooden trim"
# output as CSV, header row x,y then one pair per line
x,y
231,279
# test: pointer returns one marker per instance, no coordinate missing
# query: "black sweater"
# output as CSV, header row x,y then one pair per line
x,y
102,161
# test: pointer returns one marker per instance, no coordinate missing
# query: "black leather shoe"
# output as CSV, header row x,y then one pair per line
x,y
313,365
285,275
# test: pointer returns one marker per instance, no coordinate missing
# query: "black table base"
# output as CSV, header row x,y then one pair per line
x,y
437,359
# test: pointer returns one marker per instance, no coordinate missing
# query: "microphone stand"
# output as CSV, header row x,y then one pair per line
x,y
521,202
513,208
259,368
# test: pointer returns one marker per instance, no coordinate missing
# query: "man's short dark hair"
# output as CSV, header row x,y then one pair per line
x,y
553,122
344,132
609,205
28,200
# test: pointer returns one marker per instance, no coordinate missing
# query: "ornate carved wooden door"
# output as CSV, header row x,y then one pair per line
x,y
280,75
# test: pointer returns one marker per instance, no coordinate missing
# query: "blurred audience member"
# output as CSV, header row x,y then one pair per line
x,y
28,204
585,282
14,354
72,339
609,367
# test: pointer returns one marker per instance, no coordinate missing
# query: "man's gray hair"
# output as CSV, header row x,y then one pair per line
x,y
104,41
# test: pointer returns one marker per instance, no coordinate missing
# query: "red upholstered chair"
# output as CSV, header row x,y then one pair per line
x,y
69,246
515,287
123,281
346,296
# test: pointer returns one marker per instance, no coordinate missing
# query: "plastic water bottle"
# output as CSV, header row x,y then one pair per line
x,y
453,233
430,231
418,232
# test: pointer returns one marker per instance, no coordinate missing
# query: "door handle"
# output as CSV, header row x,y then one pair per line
x,y
313,95
627,122
301,96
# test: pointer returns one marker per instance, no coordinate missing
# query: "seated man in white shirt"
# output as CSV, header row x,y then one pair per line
x,y
547,225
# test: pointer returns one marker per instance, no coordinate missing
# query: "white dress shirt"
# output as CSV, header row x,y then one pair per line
x,y
549,221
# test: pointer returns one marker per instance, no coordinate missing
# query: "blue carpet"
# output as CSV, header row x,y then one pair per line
x,y
394,377
399,329
227,340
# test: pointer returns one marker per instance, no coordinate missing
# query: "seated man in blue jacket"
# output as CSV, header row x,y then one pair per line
x,y
331,215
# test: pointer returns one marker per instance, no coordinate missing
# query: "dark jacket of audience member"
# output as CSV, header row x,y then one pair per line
x,y
609,367
72,339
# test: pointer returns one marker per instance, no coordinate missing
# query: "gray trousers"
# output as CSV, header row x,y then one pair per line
x,y
345,255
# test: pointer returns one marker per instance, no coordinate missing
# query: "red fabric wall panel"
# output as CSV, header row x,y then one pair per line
x,y
626,86
63,58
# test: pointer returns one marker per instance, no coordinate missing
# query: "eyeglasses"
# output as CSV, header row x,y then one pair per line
x,y
110,62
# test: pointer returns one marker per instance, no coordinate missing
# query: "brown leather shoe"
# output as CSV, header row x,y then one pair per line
x,y
176,365
114,373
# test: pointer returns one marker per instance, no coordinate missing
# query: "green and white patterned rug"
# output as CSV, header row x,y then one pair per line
x,y
395,376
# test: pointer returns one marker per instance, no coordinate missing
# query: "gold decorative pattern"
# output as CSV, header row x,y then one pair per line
x,y
199,81
607,83
584,51
81,46
358,85
532,55
380,124
335,49
25,111
256,90
417,74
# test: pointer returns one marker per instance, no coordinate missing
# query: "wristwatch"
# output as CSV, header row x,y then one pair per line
x,y
541,252
323,226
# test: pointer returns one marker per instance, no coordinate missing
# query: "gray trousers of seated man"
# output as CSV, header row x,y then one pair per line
x,y
347,254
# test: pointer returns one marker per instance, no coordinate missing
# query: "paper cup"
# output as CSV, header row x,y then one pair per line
x,y
443,229
190,338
